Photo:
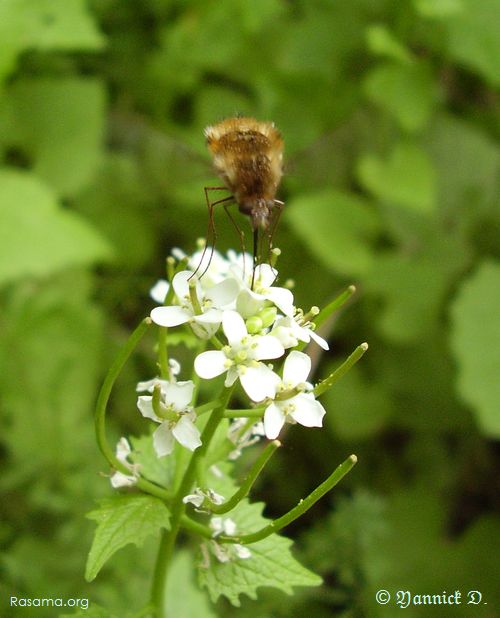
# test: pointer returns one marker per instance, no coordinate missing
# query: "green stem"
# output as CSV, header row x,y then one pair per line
x,y
248,482
193,526
167,544
245,413
101,407
328,382
303,506
206,407
163,353
334,305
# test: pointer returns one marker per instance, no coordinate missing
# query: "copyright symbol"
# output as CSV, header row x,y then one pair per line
x,y
382,597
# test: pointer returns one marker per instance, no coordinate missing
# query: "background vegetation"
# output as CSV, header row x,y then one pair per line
x,y
389,110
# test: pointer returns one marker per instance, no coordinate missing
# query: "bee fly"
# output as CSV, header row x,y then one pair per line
x,y
248,156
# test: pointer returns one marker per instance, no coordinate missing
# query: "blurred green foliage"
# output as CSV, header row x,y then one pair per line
x,y
389,110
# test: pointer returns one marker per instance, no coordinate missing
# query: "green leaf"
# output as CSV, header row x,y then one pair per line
x,y
93,611
123,520
356,408
156,469
438,8
381,41
271,563
356,522
406,178
413,286
59,122
337,227
473,37
37,237
45,25
50,353
184,597
405,91
476,344
468,165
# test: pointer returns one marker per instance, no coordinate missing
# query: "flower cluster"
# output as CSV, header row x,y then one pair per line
x,y
251,322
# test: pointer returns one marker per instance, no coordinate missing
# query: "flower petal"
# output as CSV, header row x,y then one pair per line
x,y
148,385
210,364
249,303
159,291
259,382
223,293
179,394
274,419
118,479
211,316
145,405
180,284
296,369
282,298
308,412
186,433
268,347
265,275
163,440
123,450
234,327
170,316
319,340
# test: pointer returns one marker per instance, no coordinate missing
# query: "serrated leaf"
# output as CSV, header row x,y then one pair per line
x,y
59,122
271,563
406,178
156,469
37,237
476,344
123,520
405,91
337,228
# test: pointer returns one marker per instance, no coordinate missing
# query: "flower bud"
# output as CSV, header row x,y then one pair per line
x,y
267,316
254,325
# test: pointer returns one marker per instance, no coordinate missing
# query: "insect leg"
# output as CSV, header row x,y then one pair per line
x,y
211,231
277,214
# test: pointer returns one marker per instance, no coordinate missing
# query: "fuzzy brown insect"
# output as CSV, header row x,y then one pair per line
x,y
248,156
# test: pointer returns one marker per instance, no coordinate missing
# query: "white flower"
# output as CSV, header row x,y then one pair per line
x,y
209,262
118,479
229,551
251,299
177,417
198,497
211,302
159,291
301,408
222,525
290,332
148,385
242,440
241,359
